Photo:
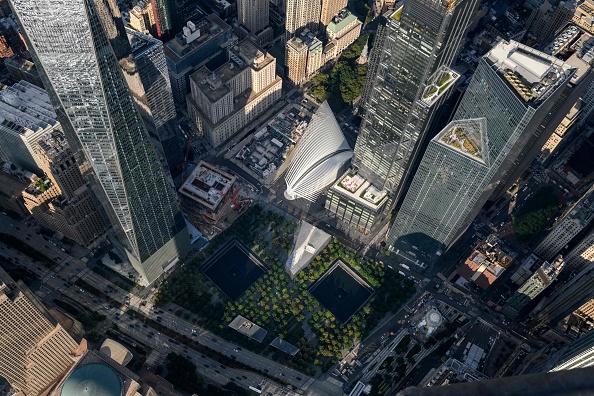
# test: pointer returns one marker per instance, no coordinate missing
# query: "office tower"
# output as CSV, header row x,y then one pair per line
x,y
26,115
569,296
253,14
96,90
549,18
331,8
342,30
582,255
318,157
576,218
447,184
536,284
414,45
224,100
560,383
301,15
296,54
142,18
68,205
166,18
578,354
35,351
191,49
512,82
152,69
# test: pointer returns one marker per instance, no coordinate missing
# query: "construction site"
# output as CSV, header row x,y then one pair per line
x,y
212,199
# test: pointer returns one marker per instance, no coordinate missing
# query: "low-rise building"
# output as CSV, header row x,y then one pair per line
x,y
207,193
486,263
584,16
224,100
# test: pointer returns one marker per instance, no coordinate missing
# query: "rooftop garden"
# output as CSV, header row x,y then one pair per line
x,y
438,86
457,137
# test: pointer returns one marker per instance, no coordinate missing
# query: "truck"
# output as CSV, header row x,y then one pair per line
x,y
406,267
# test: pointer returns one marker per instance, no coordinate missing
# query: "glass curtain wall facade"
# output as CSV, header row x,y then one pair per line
x,y
166,18
509,121
414,42
90,73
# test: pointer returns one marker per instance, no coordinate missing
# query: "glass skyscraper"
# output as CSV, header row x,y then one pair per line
x,y
85,59
513,87
408,80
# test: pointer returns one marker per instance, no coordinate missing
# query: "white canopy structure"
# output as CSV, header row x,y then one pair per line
x,y
318,158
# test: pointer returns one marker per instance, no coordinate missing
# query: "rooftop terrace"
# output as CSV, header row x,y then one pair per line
x,y
360,190
468,137
532,74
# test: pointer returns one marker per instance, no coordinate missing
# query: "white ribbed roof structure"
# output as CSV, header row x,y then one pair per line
x,y
319,157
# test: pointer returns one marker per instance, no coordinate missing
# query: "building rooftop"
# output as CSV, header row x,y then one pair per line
x,y
468,137
141,42
360,190
532,74
250,54
53,144
26,108
548,272
207,185
341,20
188,41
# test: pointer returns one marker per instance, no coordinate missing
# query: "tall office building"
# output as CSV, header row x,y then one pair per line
x,y
536,284
447,183
142,18
35,351
152,68
26,115
331,8
414,47
301,15
91,76
578,354
571,295
68,206
513,87
166,18
253,14
568,227
198,44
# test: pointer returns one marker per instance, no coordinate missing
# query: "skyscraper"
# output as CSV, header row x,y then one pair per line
x,y
152,69
35,350
576,219
330,8
93,81
570,295
513,88
536,284
68,206
301,15
578,354
414,47
253,14
166,18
